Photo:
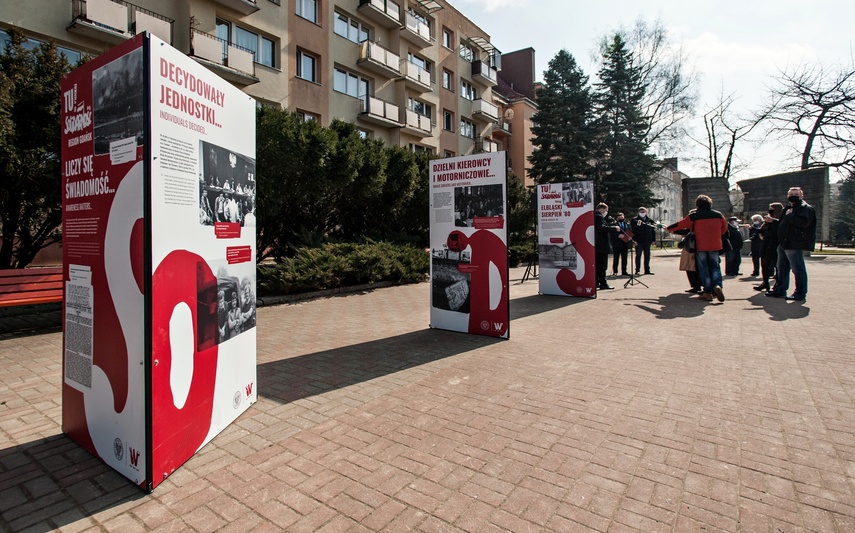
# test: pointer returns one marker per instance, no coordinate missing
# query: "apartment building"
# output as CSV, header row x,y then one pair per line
x,y
413,73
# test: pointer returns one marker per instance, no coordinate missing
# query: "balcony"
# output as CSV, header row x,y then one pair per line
x,y
233,63
374,57
502,128
484,110
380,112
416,31
244,7
484,74
415,77
113,22
384,12
416,124
485,144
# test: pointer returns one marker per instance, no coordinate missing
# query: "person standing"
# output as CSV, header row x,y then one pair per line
x,y
756,243
733,257
769,253
796,235
620,246
603,227
644,233
709,227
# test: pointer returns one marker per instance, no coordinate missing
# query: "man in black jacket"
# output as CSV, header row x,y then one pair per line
x,y
604,225
644,233
620,246
796,234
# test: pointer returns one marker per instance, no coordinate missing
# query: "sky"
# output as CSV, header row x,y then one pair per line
x,y
738,47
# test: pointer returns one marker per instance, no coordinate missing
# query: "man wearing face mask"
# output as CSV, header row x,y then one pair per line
x,y
620,246
604,226
644,233
796,234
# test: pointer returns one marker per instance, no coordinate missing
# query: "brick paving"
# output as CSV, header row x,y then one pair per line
x,y
644,410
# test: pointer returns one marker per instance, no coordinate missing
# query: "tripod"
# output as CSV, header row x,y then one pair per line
x,y
632,280
531,268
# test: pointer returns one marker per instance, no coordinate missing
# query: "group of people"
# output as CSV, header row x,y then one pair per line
x,y
618,235
782,236
785,234
227,208
237,316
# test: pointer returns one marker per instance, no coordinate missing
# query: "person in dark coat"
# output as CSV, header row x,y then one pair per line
x,y
769,253
756,243
604,225
644,230
620,246
796,235
733,257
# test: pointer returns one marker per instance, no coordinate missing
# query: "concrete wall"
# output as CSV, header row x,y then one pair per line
x,y
760,192
715,188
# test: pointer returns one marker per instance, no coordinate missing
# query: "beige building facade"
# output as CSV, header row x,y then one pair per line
x,y
412,73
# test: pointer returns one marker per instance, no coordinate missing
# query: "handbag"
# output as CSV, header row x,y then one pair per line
x,y
689,242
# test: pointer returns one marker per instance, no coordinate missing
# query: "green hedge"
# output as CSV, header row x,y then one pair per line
x,y
339,265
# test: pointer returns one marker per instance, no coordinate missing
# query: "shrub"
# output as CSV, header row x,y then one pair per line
x,y
336,265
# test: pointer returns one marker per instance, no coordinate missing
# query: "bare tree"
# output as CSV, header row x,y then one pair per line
x,y
670,82
723,129
816,105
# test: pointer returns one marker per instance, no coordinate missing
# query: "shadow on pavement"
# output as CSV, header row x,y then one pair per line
x,y
671,306
780,309
541,303
292,379
52,482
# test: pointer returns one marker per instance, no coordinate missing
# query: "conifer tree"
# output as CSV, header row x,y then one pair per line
x,y
562,134
623,165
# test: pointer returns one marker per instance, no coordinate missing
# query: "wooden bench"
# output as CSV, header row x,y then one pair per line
x,y
28,286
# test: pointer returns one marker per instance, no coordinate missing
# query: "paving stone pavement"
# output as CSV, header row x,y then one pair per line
x,y
643,410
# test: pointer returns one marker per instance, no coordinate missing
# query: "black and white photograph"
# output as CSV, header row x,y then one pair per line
x,y
449,286
578,193
553,256
477,201
226,303
117,92
226,186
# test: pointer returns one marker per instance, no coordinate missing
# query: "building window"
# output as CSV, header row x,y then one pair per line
x,y
423,19
467,129
448,153
419,149
29,43
263,49
351,29
420,107
447,120
308,9
447,80
421,62
447,38
307,66
307,117
349,84
467,53
467,90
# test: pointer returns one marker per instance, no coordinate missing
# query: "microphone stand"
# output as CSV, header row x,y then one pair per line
x,y
632,280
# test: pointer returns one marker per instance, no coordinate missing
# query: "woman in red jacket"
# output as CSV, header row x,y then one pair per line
x,y
708,226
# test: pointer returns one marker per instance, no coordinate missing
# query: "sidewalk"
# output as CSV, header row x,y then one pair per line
x,y
643,410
